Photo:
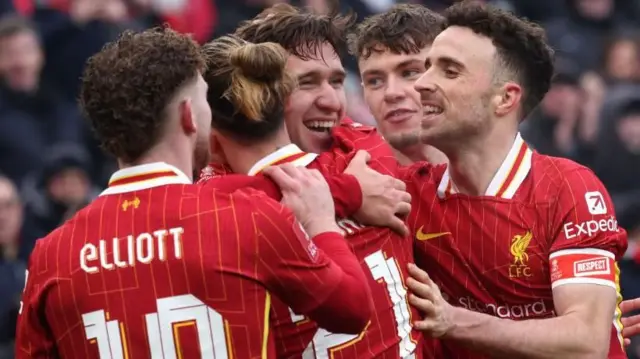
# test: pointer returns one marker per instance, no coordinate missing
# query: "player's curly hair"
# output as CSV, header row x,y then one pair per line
x,y
302,33
127,86
521,46
248,86
404,29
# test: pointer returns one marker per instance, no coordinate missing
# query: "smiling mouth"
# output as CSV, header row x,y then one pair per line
x,y
431,110
398,115
320,126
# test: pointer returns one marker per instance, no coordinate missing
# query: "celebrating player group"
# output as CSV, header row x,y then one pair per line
x,y
306,235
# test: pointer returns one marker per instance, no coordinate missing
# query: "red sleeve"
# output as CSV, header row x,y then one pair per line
x,y
319,277
346,192
32,338
587,239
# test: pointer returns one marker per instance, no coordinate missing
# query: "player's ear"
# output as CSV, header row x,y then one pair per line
x,y
507,99
187,120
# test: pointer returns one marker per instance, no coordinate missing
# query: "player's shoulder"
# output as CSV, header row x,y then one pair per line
x,y
556,178
559,172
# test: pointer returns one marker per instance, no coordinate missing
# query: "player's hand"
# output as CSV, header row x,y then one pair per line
x,y
631,324
384,198
307,194
426,297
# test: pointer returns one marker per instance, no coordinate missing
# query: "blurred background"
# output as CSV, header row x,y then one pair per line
x,y
50,165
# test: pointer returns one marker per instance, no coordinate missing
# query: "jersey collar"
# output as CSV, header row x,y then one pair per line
x,y
145,176
507,180
287,154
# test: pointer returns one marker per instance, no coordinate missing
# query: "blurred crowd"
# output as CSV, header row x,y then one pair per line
x,y
50,165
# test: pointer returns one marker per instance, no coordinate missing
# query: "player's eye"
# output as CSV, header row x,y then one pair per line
x,y
306,83
373,82
337,82
410,73
450,74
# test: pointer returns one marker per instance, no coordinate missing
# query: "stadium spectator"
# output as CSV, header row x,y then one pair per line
x,y
32,115
54,193
12,269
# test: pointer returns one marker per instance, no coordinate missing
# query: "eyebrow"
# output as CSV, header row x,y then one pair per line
x,y
401,64
446,61
316,73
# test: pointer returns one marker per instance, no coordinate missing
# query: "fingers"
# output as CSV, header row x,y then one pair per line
x,y
397,225
361,157
627,342
425,306
631,321
419,275
421,290
403,209
398,184
282,179
630,305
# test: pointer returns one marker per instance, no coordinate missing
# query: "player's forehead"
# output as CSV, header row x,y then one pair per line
x,y
462,45
7,190
322,62
382,61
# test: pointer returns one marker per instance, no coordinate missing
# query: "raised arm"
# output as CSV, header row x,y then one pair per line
x,y
307,263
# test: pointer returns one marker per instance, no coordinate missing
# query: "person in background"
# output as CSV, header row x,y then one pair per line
x,y
55,192
12,268
550,129
33,117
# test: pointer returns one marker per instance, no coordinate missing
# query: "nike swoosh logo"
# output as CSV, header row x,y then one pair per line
x,y
421,236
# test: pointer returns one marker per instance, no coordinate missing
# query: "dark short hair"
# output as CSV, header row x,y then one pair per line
x,y
11,25
521,46
127,86
301,33
248,87
404,29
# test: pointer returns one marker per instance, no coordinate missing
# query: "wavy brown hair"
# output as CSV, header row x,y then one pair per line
x,y
404,29
523,53
248,86
127,86
300,32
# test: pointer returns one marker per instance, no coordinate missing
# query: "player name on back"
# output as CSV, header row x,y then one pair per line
x,y
122,252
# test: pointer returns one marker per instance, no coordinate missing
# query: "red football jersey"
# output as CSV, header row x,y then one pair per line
x,y
383,254
543,222
159,268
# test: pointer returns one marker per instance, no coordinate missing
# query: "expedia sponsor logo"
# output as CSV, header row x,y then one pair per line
x,y
593,266
589,228
537,309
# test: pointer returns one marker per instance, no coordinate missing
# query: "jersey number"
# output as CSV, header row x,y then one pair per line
x,y
383,270
162,330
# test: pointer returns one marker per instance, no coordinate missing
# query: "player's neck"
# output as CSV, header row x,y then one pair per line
x,y
241,158
420,153
473,165
169,154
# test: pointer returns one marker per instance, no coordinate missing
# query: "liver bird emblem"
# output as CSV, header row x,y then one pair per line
x,y
519,245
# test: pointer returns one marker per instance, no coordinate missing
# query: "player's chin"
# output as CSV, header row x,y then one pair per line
x,y
317,142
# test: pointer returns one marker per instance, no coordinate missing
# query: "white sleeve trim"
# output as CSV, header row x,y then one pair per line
x,y
594,281
591,251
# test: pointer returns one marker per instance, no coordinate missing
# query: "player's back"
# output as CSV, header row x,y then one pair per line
x,y
384,256
152,273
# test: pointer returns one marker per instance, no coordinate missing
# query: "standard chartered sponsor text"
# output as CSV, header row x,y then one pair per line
x,y
536,309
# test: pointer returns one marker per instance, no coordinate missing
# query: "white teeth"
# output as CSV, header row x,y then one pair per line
x,y
429,109
320,124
